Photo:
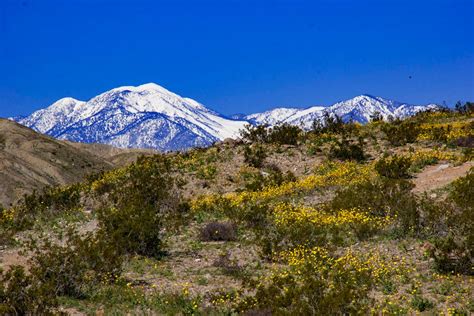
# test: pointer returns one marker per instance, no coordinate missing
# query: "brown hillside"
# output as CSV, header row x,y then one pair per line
x,y
29,160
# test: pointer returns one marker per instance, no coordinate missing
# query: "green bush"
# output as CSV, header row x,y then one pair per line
x,y
318,285
254,155
256,180
394,167
329,124
284,134
400,132
50,202
454,242
465,108
72,268
383,197
421,304
255,134
21,295
376,117
452,254
144,204
347,150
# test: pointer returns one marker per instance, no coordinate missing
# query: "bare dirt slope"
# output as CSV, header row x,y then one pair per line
x,y
437,176
29,160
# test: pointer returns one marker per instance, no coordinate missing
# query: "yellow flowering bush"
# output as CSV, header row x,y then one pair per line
x,y
326,175
446,132
422,158
296,225
316,283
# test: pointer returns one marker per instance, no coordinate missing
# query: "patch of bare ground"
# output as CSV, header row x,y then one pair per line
x,y
439,175
12,257
202,268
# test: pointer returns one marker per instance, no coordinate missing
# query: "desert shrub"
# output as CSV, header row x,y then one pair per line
x,y
284,134
219,231
2,141
453,254
347,150
392,197
465,141
462,192
254,155
314,283
393,167
256,180
20,294
376,117
289,226
421,304
328,124
454,245
465,108
49,202
207,172
81,262
144,202
252,179
400,132
255,134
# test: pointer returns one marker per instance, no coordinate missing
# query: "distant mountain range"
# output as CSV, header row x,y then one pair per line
x,y
149,116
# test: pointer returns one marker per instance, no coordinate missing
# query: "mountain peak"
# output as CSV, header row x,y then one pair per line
x,y
151,87
150,116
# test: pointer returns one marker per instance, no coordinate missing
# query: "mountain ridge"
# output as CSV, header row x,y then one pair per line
x,y
150,116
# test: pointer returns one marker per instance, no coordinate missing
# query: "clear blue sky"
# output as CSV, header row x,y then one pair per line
x,y
237,56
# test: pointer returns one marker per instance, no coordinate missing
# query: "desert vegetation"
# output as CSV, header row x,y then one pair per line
x,y
331,220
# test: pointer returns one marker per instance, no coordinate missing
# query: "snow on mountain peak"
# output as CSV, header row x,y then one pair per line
x,y
359,109
150,116
135,116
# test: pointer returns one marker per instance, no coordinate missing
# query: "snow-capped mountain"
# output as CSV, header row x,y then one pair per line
x,y
358,109
147,116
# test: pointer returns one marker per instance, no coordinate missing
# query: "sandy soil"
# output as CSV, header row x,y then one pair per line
x,y
437,176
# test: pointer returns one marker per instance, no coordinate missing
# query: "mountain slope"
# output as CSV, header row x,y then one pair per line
x,y
358,109
29,160
147,116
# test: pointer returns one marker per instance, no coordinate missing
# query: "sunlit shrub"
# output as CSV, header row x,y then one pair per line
x,y
300,225
384,197
393,167
255,155
285,134
315,283
347,150
81,262
401,132
49,202
255,133
142,202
